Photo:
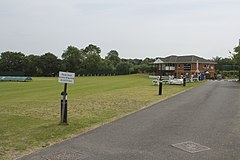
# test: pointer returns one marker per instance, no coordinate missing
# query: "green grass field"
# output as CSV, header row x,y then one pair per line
x,y
29,111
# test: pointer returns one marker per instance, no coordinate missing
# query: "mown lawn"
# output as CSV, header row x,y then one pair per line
x,y
29,111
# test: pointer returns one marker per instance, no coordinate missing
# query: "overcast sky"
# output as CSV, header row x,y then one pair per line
x,y
135,28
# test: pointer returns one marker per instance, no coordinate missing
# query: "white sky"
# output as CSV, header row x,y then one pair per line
x,y
135,28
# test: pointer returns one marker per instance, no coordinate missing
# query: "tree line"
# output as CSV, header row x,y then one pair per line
x,y
230,64
84,61
87,61
225,64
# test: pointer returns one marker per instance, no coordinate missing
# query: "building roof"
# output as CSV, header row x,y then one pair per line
x,y
158,61
185,59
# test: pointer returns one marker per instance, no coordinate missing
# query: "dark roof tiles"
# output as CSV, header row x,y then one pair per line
x,y
185,59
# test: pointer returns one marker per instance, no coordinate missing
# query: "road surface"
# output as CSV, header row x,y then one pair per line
x,y
208,115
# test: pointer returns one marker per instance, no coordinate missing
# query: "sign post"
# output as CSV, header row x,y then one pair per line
x,y
66,78
160,88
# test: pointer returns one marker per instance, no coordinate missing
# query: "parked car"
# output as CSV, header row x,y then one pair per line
x,y
219,77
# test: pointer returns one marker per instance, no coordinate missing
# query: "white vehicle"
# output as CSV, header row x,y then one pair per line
x,y
176,81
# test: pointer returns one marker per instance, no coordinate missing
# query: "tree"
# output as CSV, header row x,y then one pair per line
x,y
92,49
135,61
113,57
217,59
93,61
73,59
236,58
223,63
32,67
148,61
105,68
143,68
123,68
49,64
12,61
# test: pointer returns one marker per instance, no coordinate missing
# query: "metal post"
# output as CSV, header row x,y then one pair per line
x,y
160,83
160,87
64,105
184,81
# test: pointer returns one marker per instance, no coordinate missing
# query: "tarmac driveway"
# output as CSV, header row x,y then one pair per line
x,y
208,115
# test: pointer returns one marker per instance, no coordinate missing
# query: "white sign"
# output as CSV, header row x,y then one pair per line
x,y
66,77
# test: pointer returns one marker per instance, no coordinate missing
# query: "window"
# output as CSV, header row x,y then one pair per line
x,y
187,66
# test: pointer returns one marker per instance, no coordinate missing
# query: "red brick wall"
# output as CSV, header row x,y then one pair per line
x,y
201,67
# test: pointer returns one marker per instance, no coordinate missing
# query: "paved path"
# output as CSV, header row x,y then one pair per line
x,y
208,115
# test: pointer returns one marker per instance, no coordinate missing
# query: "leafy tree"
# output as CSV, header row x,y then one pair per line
x,y
222,62
143,68
93,61
92,49
236,58
12,61
148,61
73,59
123,68
237,49
105,68
135,61
124,60
32,67
80,61
216,59
113,57
49,64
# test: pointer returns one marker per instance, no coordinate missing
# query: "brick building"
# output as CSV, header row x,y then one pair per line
x,y
184,65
